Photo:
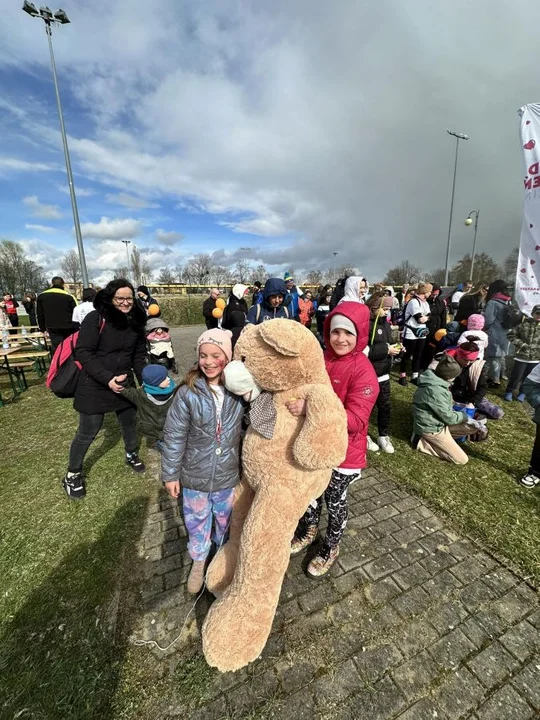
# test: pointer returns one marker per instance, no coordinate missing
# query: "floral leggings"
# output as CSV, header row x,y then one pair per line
x,y
200,509
335,497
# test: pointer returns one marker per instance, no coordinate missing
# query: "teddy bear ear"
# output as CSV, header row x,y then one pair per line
x,y
282,335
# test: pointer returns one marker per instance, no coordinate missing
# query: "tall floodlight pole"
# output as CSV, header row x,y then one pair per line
x,y
126,243
458,136
50,19
468,222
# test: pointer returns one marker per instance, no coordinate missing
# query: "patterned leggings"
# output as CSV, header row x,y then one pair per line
x,y
200,509
335,497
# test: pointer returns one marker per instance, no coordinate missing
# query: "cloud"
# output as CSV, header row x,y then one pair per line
x,y
39,210
169,238
79,191
112,229
41,228
17,165
129,201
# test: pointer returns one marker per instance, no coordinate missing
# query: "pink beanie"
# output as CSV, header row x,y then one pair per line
x,y
475,322
220,338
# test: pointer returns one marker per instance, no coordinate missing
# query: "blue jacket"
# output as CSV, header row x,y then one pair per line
x,y
191,446
264,311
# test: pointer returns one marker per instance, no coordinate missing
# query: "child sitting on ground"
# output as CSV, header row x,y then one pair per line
x,y
381,353
201,450
152,401
475,333
159,343
355,383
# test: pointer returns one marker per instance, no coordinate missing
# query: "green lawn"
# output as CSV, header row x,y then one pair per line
x,y
63,647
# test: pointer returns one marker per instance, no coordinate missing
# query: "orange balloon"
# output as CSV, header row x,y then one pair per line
x,y
153,309
217,312
220,303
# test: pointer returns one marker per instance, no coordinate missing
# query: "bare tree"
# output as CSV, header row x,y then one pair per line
x,y
509,266
17,272
121,272
485,269
221,275
403,273
260,273
314,277
243,270
166,276
71,266
198,269
179,272
140,268
437,276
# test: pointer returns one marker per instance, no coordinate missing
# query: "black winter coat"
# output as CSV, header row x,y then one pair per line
x,y
469,305
462,390
208,305
119,348
234,317
437,318
378,348
55,309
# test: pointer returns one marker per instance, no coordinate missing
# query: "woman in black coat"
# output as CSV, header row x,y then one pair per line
x,y
111,348
472,303
29,304
234,315
437,321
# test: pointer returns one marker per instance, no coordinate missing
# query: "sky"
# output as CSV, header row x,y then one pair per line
x,y
277,132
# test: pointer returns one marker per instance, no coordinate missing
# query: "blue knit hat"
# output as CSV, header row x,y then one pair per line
x,y
154,375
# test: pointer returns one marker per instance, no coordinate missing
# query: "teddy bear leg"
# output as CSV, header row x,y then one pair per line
x,y
237,626
220,572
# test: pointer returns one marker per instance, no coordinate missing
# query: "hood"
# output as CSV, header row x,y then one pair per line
x,y
154,324
143,289
239,290
536,308
352,285
274,286
390,290
429,379
359,315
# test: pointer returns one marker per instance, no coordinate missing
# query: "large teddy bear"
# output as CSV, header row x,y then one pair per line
x,y
286,463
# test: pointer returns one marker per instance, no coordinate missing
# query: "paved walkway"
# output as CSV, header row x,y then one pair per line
x,y
414,622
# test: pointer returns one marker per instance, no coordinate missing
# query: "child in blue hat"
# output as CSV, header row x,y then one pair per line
x,y
152,401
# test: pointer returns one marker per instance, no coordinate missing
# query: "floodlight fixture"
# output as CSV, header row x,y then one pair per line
x,y
46,14
61,17
30,8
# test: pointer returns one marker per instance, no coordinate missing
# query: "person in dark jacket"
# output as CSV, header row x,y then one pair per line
x,y
111,349
323,308
209,305
339,292
145,299
471,386
29,304
200,461
55,312
381,352
436,321
272,307
292,296
471,303
257,293
234,315
152,401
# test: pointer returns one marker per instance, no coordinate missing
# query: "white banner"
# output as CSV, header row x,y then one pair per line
x,y
528,270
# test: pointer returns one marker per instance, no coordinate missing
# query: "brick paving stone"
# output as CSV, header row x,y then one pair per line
x,y
295,676
476,633
522,640
409,534
424,709
373,664
407,503
435,541
213,711
447,616
410,554
386,527
384,513
416,636
507,704
534,619
414,675
385,501
476,594
470,569
459,693
515,604
500,580
382,591
382,566
412,602
410,517
336,685
300,706
381,702
442,584
318,598
438,561
411,576
349,581
451,650
493,665
527,683
462,549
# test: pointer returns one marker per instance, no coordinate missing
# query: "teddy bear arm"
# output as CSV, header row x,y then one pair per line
x,y
322,442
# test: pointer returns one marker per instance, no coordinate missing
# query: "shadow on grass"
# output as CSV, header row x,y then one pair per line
x,y
110,437
61,654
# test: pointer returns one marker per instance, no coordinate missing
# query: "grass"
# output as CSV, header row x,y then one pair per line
x,y
481,498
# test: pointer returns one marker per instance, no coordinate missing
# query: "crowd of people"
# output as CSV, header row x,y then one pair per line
x,y
452,349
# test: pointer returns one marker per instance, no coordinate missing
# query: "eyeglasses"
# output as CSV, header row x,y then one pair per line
x,y
125,301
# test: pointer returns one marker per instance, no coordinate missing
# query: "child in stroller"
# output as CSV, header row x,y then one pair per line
x,y
160,349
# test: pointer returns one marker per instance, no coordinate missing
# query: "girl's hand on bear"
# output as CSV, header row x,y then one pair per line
x,y
173,488
296,407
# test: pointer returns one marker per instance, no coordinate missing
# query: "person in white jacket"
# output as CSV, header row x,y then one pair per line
x,y
87,306
356,290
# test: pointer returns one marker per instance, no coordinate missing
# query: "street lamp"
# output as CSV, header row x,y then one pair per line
x,y
126,243
458,136
468,223
50,19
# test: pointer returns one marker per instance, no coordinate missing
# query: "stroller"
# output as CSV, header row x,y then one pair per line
x,y
158,339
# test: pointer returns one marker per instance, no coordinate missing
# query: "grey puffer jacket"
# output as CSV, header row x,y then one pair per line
x,y
192,453
498,345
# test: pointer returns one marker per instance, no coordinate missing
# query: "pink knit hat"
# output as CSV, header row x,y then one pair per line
x,y
220,338
475,322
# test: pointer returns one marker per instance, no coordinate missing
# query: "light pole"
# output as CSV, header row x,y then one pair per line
x,y
458,136
50,19
468,223
126,243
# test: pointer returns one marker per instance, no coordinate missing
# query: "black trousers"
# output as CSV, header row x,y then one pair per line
x,y
384,408
90,425
534,467
14,319
57,336
519,372
413,353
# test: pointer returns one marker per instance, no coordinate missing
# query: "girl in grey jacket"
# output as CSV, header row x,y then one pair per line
x,y
201,446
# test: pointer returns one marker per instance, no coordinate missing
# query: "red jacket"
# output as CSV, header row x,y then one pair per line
x,y
354,381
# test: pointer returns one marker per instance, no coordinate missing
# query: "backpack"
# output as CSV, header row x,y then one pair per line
x,y
258,313
511,317
64,370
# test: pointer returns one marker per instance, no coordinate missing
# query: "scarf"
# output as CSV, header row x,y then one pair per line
x,y
262,415
159,392
500,296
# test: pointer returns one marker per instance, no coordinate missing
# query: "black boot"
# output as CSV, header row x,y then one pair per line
x,y
135,462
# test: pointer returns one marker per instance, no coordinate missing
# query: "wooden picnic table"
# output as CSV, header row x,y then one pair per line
x,y
18,357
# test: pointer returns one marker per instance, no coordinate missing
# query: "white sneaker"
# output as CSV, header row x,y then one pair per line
x,y
386,444
372,446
